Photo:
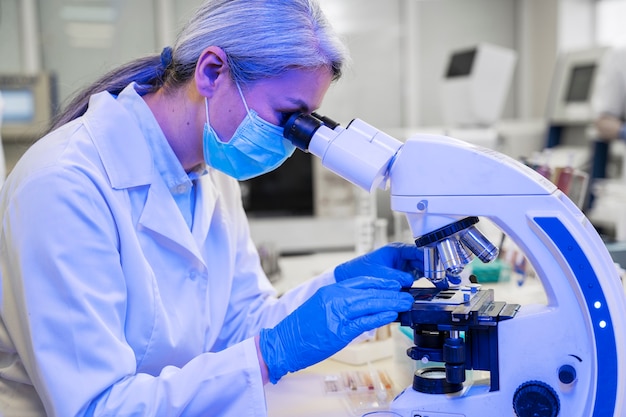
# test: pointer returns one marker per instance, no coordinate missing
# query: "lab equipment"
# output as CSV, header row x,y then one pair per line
x,y
366,392
29,102
570,113
573,83
476,84
563,358
302,199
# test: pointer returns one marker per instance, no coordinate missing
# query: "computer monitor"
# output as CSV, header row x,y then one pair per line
x,y
573,82
286,191
580,82
300,207
461,63
29,101
476,83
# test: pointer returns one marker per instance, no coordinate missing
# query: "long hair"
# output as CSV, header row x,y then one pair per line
x,y
261,38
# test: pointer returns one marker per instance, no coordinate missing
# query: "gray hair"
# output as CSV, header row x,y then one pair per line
x,y
261,39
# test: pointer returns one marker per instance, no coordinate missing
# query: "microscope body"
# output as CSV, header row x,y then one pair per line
x,y
557,359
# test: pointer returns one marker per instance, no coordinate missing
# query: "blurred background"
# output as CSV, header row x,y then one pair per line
x,y
514,75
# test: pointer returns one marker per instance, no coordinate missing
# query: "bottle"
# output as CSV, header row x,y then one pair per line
x,y
565,176
544,169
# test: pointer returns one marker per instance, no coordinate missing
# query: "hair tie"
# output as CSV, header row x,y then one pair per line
x,y
166,57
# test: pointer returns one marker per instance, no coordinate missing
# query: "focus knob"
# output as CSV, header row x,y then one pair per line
x,y
535,399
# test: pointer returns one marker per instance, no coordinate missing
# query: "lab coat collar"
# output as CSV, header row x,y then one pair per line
x,y
125,155
128,163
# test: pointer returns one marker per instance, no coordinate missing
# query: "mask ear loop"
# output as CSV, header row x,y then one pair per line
x,y
206,110
242,97
208,123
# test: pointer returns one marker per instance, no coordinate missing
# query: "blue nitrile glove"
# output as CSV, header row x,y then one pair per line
x,y
400,261
329,320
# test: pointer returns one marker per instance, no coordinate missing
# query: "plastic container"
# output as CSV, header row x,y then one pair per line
x,y
495,271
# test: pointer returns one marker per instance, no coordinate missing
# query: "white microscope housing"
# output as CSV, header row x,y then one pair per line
x,y
561,359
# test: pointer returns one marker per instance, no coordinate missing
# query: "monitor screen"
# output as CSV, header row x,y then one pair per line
x,y
18,105
461,63
580,81
286,191
28,104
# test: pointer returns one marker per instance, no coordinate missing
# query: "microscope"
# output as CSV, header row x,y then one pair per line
x,y
562,359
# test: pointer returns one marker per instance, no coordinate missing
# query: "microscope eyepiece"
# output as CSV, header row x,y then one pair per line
x,y
326,120
301,127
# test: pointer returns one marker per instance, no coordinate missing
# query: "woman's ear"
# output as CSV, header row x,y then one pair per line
x,y
211,68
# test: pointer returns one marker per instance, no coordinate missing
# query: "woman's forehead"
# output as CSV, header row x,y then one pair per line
x,y
302,87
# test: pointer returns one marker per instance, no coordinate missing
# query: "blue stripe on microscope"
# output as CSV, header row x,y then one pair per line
x,y
606,354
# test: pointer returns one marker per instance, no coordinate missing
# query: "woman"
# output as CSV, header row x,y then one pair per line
x,y
130,284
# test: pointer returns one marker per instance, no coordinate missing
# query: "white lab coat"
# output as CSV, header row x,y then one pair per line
x,y
110,305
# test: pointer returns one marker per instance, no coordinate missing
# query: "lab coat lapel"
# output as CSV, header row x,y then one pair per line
x,y
206,200
212,230
128,163
157,217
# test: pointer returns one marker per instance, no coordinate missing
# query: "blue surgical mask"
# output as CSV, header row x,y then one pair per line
x,y
257,146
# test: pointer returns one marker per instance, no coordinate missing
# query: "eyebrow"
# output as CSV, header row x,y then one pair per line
x,y
304,107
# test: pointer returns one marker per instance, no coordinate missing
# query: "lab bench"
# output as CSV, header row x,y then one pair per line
x,y
314,391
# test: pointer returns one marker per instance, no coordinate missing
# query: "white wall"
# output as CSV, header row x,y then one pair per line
x,y
371,89
609,23
536,33
10,39
576,24
399,47
84,41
